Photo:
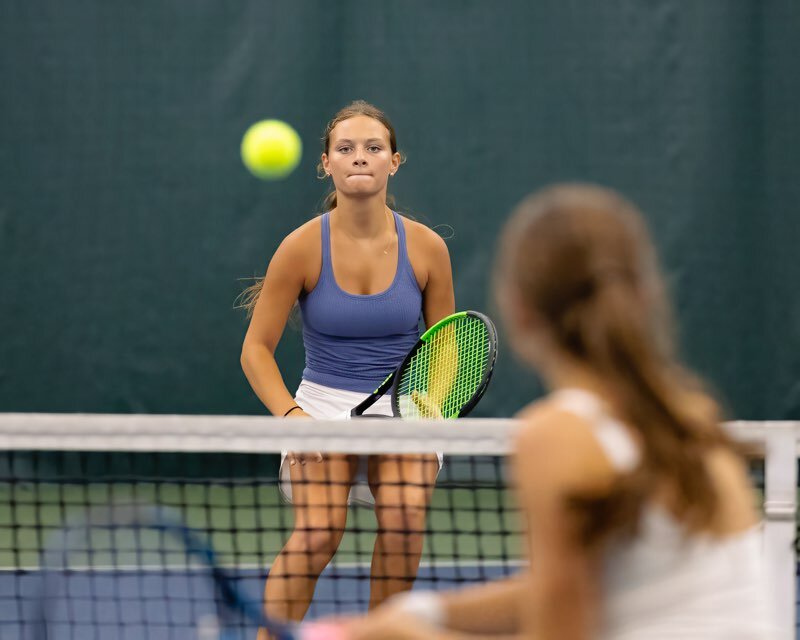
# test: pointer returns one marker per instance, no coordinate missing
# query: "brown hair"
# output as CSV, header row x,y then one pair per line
x,y
580,257
248,298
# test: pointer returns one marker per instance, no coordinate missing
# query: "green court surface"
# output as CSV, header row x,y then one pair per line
x,y
248,522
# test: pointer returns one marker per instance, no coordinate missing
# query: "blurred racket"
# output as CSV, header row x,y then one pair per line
x,y
108,562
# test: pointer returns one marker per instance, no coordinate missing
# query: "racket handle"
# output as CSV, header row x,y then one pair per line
x,y
321,631
358,411
372,398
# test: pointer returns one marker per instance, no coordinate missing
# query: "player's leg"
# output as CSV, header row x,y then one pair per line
x,y
402,486
319,497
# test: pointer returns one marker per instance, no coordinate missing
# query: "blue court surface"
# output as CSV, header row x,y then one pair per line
x,y
115,604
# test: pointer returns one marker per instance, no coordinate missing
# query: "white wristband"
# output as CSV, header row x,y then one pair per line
x,y
424,605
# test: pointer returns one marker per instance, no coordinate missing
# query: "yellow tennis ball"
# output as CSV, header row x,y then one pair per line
x,y
271,149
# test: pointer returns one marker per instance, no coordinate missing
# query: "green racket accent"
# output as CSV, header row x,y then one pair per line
x,y
432,330
385,380
446,370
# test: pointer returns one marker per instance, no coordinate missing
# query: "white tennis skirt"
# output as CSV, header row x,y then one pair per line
x,y
320,401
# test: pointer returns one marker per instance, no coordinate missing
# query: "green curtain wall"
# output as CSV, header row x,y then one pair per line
x,y
127,221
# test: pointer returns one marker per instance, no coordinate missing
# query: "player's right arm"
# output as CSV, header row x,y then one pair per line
x,y
486,611
283,284
492,608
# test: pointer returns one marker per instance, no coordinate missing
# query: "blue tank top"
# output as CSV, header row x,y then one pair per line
x,y
353,342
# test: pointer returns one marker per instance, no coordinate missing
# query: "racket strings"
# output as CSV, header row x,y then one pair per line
x,y
446,371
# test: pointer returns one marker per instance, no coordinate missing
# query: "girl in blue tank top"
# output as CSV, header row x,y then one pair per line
x,y
363,276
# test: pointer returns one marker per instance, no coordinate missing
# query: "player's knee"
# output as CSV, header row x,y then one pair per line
x,y
317,545
408,520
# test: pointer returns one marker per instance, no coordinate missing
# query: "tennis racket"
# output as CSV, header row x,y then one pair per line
x,y
102,575
446,372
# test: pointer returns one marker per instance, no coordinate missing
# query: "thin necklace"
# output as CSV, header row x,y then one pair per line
x,y
391,237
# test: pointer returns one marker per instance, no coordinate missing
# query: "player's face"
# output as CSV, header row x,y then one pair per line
x,y
360,158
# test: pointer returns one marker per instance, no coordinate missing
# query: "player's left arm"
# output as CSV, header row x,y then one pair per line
x,y
438,301
438,297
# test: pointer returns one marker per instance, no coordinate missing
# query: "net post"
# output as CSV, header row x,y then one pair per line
x,y
780,514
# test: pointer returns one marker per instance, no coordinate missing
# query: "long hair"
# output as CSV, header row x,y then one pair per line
x,y
580,258
248,298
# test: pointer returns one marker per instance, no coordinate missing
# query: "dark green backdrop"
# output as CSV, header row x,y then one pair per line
x,y
127,220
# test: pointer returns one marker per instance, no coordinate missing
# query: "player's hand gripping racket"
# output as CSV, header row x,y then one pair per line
x,y
446,372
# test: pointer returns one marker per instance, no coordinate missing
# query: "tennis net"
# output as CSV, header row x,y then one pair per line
x,y
218,475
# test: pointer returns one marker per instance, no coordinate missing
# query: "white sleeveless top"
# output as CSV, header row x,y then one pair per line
x,y
667,584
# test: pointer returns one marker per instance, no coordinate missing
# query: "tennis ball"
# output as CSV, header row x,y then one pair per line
x,y
271,149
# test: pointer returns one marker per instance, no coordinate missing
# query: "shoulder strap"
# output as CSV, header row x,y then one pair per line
x,y
612,436
403,261
327,267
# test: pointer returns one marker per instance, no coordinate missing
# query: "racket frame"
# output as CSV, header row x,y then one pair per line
x,y
491,334
392,381
150,517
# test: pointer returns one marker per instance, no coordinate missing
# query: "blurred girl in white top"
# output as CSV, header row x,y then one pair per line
x,y
641,520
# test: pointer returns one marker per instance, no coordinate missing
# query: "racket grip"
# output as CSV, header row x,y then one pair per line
x,y
321,631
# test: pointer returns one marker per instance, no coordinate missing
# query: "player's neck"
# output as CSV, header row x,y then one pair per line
x,y
570,374
362,217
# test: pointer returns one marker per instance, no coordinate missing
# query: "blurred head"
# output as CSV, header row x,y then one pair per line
x,y
577,282
577,270
359,151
